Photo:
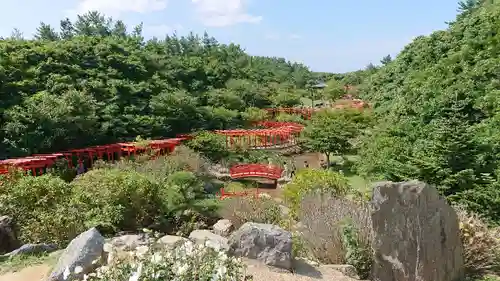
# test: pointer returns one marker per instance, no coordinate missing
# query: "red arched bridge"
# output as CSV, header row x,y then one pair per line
x,y
256,171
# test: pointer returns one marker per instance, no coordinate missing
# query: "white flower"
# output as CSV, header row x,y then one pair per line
x,y
78,269
180,269
66,273
222,256
221,272
136,275
156,258
188,248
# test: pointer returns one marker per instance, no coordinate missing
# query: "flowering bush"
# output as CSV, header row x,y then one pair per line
x,y
186,262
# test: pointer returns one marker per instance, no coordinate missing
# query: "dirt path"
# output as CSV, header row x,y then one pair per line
x,y
32,273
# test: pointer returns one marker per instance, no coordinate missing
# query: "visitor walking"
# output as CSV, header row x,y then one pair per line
x,y
306,164
286,170
292,174
81,169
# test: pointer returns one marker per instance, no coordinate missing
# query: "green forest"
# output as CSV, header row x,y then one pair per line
x,y
94,82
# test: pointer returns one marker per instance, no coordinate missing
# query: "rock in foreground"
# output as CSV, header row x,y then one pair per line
x,y
8,239
416,234
264,242
81,251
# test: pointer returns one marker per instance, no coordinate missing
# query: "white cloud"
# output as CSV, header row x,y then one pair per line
x,y
115,8
162,29
219,13
294,36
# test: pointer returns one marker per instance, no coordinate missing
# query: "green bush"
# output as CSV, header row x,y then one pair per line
x,y
41,207
240,210
211,145
357,253
117,199
310,180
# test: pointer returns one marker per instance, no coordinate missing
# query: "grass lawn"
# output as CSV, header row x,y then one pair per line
x,y
19,262
355,180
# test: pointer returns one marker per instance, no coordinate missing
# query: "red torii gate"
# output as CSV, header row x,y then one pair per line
x,y
258,137
305,112
39,162
295,127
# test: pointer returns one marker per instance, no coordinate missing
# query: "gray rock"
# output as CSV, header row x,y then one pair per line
x,y
8,237
30,249
285,211
223,227
129,242
210,239
171,242
81,251
264,242
416,234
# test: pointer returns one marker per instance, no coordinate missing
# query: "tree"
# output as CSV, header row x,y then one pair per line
x,y
16,34
332,132
211,145
46,32
386,60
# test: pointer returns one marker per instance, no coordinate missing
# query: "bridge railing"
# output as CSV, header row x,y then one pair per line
x,y
255,170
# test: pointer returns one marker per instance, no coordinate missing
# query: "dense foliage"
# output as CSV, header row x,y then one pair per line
x,y
159,194
437,105
93,82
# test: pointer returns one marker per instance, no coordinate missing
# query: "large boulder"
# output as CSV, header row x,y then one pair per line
x,y
209,239
267,243
130,242
171,242
223,227
33,249
8,238
81,251
416,234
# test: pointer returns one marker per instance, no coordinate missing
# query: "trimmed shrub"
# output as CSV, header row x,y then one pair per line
x,y
310,180
41,207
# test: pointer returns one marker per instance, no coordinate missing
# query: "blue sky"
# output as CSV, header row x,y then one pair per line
x,y
333,36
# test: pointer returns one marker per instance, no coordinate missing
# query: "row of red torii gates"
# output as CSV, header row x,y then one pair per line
x,y
271,134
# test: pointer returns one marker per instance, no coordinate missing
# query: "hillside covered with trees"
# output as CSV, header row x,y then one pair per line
x,y
438,112
93,82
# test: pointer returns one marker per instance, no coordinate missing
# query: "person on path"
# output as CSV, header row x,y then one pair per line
x,y
306,165
294,168
286,171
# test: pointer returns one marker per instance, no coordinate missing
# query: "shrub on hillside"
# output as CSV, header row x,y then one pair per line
x,y
481,244
240,210
41,208
337,230
309,180
117,199
211,145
